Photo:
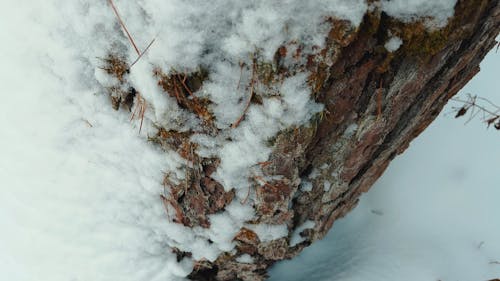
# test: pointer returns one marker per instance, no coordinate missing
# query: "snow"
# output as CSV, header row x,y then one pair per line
x,y
409,10
296,237
269,232
245,258
327,185
433,215
77,182
306,186
80,185
393,44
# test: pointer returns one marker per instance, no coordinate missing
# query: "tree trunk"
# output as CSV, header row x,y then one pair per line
x,y
376,103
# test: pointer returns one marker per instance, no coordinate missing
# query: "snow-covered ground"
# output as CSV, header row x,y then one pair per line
x,y
434,214
79,186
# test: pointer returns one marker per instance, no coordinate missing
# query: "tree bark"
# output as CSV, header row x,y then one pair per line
x,y
376,102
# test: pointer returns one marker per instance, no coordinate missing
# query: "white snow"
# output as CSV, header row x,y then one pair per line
x,y
409,10
327,185
268,232
296,237
306,186
245,258
393,44
79,188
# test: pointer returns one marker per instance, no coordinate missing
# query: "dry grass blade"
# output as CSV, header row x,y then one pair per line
x,y
264,164
140,56
246,197
88,123
183,82
264,183
179,215
143,110
140,110
249,101
124,27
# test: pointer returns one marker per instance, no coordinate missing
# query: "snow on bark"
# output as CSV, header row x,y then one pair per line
x,y
248,98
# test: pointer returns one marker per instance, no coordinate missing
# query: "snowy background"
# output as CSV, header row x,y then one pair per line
x,y
79,186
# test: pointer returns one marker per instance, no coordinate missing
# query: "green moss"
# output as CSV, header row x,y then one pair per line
x,y
419,41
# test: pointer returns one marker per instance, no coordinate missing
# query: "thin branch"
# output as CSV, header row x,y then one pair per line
x,y
490,102
489,116
474,104
140,56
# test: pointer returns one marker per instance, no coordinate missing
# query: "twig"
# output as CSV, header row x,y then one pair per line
x,y
242,64
140,56
179,216
124,27
264,164
489,116
488,101
263,182
474,104
183,82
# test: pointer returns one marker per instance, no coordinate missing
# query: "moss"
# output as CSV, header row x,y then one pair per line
x,y
419,41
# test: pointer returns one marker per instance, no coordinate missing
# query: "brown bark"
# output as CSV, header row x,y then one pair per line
x,y
376,103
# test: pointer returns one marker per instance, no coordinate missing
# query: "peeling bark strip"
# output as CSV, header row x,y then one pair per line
x,y
376,103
